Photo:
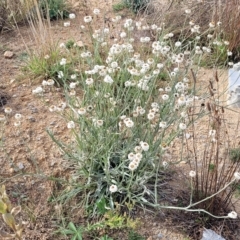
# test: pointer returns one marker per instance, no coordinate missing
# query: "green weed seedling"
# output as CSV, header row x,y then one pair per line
x,y
72,230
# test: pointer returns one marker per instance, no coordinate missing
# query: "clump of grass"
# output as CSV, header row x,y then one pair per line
x,y
119,6
12,13
54,9
136,5
135,236
234,154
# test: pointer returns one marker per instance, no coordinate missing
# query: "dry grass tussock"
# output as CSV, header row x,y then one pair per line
x,y
173,14
12,12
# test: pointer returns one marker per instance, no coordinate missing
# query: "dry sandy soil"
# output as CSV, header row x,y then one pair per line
x,y
28,157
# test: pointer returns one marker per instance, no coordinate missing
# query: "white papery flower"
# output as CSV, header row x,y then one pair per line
x,y
2,118
237,175
62,45
17,124
108,79
131,156
18,116
8,110
114,65
132,166
178,44
139,155
82,111
232,215
162,124
181,101
73,85
212,132
165,164
50,82
96,11
70,125
165,97
192,174
99,123
123,35
144,146
113,188
38,90
72,16
87,19
63,61
160,65
129,123
150,116
44,83
182,126
138,149
52,108
211,24
66,24
89,81
60,74
154,27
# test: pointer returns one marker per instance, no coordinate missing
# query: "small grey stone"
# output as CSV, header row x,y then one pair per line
x,y
209,234
20,166
34,110
159,236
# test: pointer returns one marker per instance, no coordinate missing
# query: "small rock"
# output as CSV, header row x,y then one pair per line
x,y
52,163
80,44
31,119
209,234
8,54
20,166
159,236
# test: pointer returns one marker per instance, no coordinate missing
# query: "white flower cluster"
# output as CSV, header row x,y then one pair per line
x,y
136,156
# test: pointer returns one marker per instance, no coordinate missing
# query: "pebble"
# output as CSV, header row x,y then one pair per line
x,y
159,236
80,44
34,110
52,163
20,166
31,119
8,54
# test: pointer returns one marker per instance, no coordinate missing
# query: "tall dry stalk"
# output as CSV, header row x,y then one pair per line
x,y
210,159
